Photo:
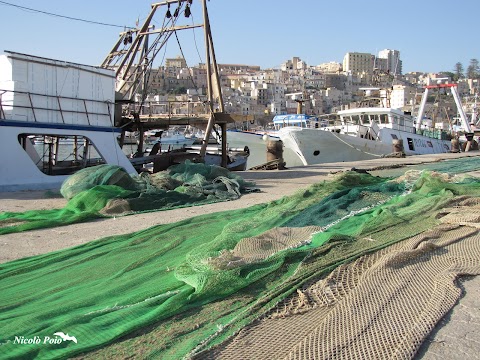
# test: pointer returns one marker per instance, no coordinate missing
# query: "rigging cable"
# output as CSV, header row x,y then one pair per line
x,y
135,84
63,16
181,51
155,49
195,40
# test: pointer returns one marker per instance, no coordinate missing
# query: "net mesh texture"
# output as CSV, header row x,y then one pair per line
x,y
212,286
108,190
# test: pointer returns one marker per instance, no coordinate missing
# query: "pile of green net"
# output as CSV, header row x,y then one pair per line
x,y
108,190
190,285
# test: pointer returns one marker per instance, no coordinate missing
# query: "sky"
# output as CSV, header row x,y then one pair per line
x,y
431,35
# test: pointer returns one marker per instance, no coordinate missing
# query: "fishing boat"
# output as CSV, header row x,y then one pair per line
x,y
159,158
39,116
92,108
129,138
365,133
237,158
132,59
258,139
169,139
252,135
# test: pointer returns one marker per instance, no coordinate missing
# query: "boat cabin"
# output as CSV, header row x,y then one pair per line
x,y
55,119
368,122
382,117
300,120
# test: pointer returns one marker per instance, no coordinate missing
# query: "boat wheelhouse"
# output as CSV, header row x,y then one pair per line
x,y
366,123
56,117
300,120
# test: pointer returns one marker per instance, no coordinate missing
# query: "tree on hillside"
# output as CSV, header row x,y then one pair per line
x,y
458,72
450,75
472,70
179,90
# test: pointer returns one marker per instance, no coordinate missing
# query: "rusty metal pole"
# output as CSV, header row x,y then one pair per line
x,y
211,119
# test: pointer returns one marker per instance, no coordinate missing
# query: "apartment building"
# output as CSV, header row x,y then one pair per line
x,y
358,63
331,67
402,96
338,81
294,64
178,62
389,60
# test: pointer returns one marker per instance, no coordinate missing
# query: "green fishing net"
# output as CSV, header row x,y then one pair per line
x,y
108,190
173,290
215,273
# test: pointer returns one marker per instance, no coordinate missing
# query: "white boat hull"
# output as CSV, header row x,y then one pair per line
x,y
251,137
18,170
170,142
177,143
257,144
316,146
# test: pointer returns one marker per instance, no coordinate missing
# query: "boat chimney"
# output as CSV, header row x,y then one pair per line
x,y
299,106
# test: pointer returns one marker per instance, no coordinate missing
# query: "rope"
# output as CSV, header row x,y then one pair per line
x,y
195,40
233,187
181,51
63,16
353,147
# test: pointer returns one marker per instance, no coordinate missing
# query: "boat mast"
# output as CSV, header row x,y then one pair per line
x,y
212,70
473,119
132,64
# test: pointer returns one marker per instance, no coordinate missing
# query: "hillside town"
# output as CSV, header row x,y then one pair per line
x,y
323,89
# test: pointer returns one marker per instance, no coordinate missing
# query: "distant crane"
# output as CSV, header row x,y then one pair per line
x,y
456,97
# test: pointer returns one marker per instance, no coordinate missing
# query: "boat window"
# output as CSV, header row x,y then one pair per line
x,y
60,155
411,146
402,121
355,119
383,119
365,119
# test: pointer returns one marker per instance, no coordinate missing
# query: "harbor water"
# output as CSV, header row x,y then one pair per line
x,y
258,152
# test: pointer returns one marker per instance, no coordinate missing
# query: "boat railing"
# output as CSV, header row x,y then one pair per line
x,y
370,131
168,108
428,131
35,107
324,124
355,129
403,127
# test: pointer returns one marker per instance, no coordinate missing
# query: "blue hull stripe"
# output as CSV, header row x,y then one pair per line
x,y
59,126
